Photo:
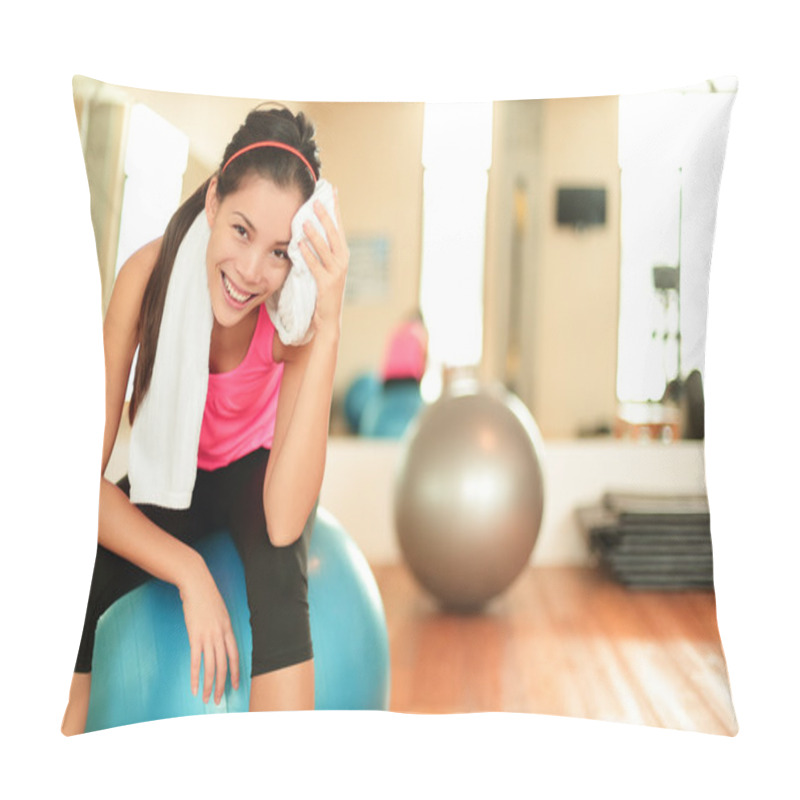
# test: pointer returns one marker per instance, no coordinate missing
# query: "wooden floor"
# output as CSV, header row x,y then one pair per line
x,y
562,641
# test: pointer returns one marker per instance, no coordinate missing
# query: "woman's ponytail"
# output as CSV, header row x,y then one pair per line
x,y
155,293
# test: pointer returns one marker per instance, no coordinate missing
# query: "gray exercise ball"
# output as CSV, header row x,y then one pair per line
x,y
469,496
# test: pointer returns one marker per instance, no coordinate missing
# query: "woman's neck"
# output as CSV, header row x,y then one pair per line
x,y
229,345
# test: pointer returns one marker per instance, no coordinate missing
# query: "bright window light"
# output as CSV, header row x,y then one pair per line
x,y
670,156
456,155
155,160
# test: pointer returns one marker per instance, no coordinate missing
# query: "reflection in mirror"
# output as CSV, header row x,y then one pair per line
x,y
593,313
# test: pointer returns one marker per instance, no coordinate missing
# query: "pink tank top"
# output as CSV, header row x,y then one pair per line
x,y
241,405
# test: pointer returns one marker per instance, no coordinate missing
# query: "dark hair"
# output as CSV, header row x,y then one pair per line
x,y
284,168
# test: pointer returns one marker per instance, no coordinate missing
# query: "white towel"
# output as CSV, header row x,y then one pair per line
x,y
162,462
292,308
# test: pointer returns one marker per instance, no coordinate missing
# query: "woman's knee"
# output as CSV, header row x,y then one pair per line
x,y
284,689
277,595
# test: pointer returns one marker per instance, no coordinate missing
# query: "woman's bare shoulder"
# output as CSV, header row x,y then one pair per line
x,y
130,285
139,266
134,274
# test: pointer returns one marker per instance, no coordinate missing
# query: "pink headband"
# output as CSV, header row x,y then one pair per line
x,y
280,145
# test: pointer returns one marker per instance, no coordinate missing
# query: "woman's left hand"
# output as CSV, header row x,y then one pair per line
x,y
328,262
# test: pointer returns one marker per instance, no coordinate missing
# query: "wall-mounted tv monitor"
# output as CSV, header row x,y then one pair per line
x,y
581,207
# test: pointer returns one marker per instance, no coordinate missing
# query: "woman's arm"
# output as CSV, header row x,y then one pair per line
x,y
125,530
297,460
120,336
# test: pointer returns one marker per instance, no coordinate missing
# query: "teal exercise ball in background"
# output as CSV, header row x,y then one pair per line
x,y
359,392
469,495
140,670
389,412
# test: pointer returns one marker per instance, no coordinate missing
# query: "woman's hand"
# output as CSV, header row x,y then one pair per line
x,y
328,262
210,636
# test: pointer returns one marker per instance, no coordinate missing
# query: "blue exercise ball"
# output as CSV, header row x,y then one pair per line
x,y
140,670
364,387
389,412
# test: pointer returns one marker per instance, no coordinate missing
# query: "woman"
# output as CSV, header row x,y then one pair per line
x,y
262,443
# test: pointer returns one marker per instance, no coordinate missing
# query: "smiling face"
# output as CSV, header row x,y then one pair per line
x,y
247,258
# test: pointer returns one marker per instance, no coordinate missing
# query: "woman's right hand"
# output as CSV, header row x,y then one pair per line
x,y
211,638
126,531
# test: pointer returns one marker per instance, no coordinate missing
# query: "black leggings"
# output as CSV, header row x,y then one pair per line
x,y
276,577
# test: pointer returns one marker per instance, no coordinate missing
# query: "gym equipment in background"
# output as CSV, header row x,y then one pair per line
x,y
469,495
389,412
651,541
362,388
